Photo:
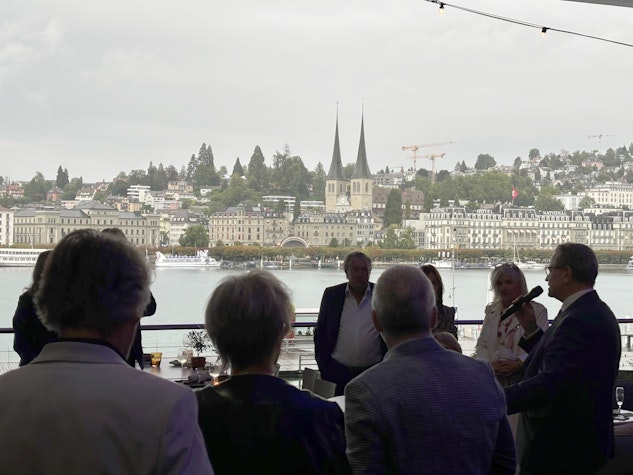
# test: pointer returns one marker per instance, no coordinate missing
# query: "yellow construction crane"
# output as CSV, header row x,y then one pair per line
x,y
415,149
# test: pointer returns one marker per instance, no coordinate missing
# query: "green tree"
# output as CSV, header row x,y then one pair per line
x,y
257,173
62,178
318,182
393,208
516,166
586,202
407,239
236,192
194,236
119,188
201,169
484,162
547,202
390,241
534,153
159,183
289,175
237,168
138,177
71,189
36,189
172,173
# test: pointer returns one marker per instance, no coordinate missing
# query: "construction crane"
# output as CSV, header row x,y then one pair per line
x,y
432,157
415,149
599,137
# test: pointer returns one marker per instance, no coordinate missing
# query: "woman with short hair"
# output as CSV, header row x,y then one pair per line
x,y
255,422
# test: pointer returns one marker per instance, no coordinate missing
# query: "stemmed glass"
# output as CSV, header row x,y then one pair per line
x,y
182,358
619,398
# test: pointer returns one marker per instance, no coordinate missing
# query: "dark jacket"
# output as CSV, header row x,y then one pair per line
x,y
565,396
30,335
261,424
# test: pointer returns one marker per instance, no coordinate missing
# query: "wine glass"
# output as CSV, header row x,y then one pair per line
x,y
619,397
182,357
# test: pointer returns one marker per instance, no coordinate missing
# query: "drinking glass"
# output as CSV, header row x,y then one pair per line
x,y
619,397
182,357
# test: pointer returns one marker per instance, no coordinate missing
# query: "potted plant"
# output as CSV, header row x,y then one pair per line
x,y
199,341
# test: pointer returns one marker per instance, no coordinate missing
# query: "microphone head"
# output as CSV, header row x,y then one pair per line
x,y
535,292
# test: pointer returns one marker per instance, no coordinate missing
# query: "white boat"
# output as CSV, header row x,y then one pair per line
x,y
443,264
629,265
201,259
533,265
19,257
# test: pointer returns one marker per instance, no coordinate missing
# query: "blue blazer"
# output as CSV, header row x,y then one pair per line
x,y
565,396
326,335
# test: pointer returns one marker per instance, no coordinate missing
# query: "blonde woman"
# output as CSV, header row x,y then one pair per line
x,y
498,341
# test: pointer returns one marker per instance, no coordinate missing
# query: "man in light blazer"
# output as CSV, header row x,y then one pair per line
x,y
78,407
345,340
566,394
423,409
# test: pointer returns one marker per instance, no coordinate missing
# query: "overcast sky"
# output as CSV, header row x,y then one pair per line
x,y
101,87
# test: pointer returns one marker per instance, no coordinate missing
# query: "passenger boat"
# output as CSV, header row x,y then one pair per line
x,y
10,257
201,259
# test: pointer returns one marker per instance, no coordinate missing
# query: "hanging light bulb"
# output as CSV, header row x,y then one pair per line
x,y
544,31
441,10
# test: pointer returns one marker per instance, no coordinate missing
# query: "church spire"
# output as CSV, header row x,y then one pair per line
x,y
361,169
336,167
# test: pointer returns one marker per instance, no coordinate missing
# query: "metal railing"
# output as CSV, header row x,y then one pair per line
x,y
298,350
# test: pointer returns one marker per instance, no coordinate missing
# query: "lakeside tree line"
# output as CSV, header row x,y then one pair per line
x,y
286,174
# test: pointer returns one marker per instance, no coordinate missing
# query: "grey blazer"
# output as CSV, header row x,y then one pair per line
x,y
425,409
79,408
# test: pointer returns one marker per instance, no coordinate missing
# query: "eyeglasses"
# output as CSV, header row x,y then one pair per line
x,y
548,269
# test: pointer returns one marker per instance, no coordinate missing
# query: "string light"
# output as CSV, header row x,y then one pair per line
x,y
544,29
441,10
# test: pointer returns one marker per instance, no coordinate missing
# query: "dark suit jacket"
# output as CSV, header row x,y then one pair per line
x,y
30,335
326,335
565,396
261,424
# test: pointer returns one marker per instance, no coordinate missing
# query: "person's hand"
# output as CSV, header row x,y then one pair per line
x,y
506,368
526,317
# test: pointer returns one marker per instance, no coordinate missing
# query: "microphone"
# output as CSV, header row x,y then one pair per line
x,y
535,292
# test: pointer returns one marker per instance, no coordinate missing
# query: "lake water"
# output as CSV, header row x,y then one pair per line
x,y
182,294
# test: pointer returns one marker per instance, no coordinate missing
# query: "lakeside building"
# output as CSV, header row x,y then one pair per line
x,y
6,226
353,229
521,228
174,224
248,225
612,194
48,226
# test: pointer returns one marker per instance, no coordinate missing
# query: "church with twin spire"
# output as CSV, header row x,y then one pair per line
x,y
343,194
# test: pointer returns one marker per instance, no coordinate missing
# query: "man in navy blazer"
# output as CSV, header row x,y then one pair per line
x,y
345,340
565,396
423,409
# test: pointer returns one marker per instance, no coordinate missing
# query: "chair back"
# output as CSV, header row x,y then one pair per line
x,y
309,376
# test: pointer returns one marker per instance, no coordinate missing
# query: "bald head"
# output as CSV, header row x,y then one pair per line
x,y
403,303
